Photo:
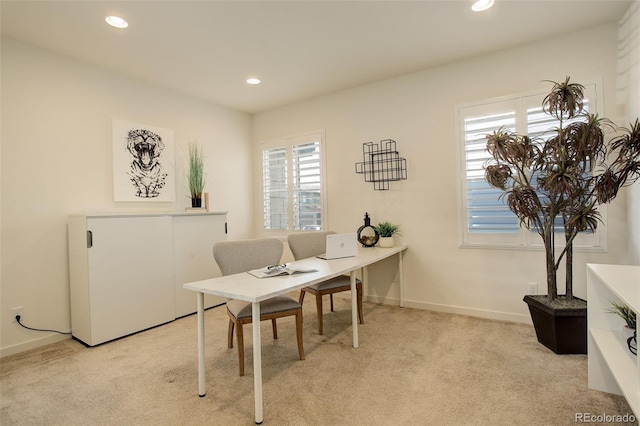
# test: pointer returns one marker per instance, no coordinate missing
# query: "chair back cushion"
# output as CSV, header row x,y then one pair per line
x,y
308,244
244,255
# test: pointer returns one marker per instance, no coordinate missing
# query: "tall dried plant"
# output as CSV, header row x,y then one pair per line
x,y
196,170
565,176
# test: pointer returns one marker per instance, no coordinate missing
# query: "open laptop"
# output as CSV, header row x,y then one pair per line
x,y
340,245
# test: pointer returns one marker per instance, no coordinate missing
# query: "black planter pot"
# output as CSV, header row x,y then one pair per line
x,y
563,330
196,202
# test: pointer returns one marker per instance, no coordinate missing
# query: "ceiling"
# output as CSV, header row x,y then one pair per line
x,y
299,49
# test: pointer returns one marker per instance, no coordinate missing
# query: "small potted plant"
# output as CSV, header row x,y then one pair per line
x,y
386,231
196,174
627,314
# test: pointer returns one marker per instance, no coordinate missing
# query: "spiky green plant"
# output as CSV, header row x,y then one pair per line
x,y
563,176
624,312
196,170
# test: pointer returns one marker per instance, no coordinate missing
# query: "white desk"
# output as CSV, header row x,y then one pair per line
x,y
251,289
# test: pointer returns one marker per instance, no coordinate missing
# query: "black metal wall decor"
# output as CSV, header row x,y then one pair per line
x,y
381,164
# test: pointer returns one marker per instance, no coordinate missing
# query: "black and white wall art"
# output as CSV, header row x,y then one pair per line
x,y
143,162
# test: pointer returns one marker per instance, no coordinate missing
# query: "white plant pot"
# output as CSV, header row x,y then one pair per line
x,y
386,242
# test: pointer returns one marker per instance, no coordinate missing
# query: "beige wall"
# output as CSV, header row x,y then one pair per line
x,y
418,112
56,161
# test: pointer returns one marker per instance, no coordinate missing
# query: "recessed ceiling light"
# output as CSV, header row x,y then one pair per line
x,y
116,21
481,5
253,80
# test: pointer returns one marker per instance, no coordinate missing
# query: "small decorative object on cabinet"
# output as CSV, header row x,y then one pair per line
x,y
367,234
196,174
612,366
386,231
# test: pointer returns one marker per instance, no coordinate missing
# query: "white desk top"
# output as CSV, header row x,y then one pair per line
x,y
251,289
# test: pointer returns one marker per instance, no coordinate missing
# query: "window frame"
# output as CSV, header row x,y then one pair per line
x,y
523,239
288,143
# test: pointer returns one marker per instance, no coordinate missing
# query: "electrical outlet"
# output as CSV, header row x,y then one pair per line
x,y
533,288
14,312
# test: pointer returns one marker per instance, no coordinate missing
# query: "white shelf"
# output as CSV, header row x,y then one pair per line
x,y
612,367
620,361
622,280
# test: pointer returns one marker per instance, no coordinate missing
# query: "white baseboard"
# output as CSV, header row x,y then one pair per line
x,y
459,310
33,344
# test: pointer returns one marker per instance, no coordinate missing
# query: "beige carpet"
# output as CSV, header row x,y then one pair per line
x,y
412,368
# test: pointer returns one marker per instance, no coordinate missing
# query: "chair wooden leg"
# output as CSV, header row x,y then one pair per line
x,y
230,334
275,329
360,316
299,334
331,299
319,309
240,336
301,297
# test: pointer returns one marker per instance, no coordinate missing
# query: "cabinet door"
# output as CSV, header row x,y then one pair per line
x,y
193,238
130,275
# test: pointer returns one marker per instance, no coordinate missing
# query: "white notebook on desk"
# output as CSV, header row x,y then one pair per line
x,y
278,270
340,245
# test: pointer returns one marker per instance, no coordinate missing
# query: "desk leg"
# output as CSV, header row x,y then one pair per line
x,y
354,308
201,368
364,273
257,361
401,278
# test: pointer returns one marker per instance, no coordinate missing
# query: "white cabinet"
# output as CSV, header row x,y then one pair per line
x,y
193,239
126,271
612,367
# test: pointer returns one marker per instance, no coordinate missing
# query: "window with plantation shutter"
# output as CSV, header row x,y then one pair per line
x,y
306,186
485,219
274,186
486,211
292,184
